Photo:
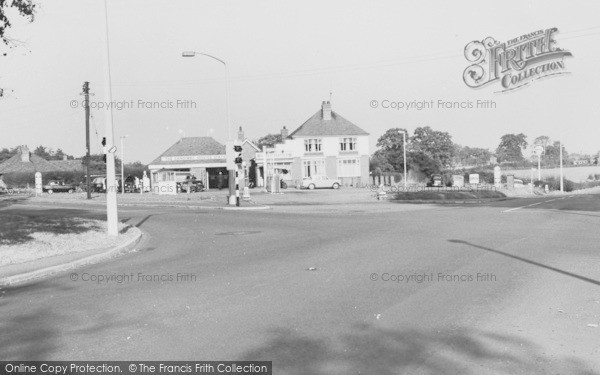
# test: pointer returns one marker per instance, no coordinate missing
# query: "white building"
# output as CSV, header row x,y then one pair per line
x,y
326,144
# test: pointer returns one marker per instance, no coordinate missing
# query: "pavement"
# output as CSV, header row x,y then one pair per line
x,y
20,273
369,287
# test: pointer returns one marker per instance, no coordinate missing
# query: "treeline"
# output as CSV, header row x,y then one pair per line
x,y
429,151
97,167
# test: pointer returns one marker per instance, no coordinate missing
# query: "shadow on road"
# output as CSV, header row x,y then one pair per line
x,y
583,278
371,350
36,333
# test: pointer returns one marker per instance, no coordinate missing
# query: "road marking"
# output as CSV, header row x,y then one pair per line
x,y
529,205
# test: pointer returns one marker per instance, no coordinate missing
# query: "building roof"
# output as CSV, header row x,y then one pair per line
x,y
192,146
37,164
317,126
68,165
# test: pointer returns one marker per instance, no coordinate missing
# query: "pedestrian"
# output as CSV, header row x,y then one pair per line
x,y
220,180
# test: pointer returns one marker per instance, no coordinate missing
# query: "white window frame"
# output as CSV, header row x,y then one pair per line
x,y
348,144
348,167
313,167
312,145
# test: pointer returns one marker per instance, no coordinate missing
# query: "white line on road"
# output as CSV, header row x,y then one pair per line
x,y
529,205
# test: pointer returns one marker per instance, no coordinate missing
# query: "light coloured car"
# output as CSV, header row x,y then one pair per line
x,y
320,182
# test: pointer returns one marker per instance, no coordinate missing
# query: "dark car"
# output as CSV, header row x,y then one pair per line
x,y
195,185
130,186
56,186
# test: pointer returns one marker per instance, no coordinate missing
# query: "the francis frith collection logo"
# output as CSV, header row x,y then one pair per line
x,y
514,63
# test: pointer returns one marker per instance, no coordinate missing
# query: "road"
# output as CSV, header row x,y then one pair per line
x,y
505,287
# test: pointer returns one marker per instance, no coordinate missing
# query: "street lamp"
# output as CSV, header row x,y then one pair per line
x,y
561,165
404,150
192,54
231,172
123,165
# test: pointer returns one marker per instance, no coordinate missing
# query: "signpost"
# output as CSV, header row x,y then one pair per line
x,y
38,184
497,176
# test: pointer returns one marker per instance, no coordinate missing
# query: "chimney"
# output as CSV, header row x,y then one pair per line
x,y
326,111
241,134
24,150
284,133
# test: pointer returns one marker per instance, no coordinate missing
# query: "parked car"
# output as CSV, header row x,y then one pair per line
x,y
316,182
56,186
196,185
99,184
130,185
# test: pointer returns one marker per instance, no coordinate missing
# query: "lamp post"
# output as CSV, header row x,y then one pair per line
x,y
112,216
561,166
123,164
404,158
231,172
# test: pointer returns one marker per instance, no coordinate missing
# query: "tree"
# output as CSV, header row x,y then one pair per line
x,y
6,154
135,169
25,8
391,149
472,156
552,155
422,162
378,163
437,145
43,152
511,147
542,140
268,140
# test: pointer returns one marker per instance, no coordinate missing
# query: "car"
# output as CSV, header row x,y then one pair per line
x,y
99,184
56,186
316,182
130,186
196,185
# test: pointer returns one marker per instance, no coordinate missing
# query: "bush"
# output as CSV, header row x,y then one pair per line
x,y
554,184
587,184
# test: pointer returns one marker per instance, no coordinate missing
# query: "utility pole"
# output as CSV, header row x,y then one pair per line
x,y
86,92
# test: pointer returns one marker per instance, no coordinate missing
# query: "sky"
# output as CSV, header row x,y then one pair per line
x,y
284,58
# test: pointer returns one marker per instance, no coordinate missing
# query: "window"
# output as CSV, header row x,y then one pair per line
x,y
347,144
348,168
313,168
312,145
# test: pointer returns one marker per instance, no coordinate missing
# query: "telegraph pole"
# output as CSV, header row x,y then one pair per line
x,y
86,92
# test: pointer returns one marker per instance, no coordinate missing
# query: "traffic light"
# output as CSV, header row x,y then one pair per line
x,y
237,148
104,149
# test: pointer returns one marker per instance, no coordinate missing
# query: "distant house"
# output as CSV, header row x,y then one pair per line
x,y
25,161
201,157
325,144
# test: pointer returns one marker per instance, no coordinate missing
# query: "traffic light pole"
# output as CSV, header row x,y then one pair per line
x,y
237,186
